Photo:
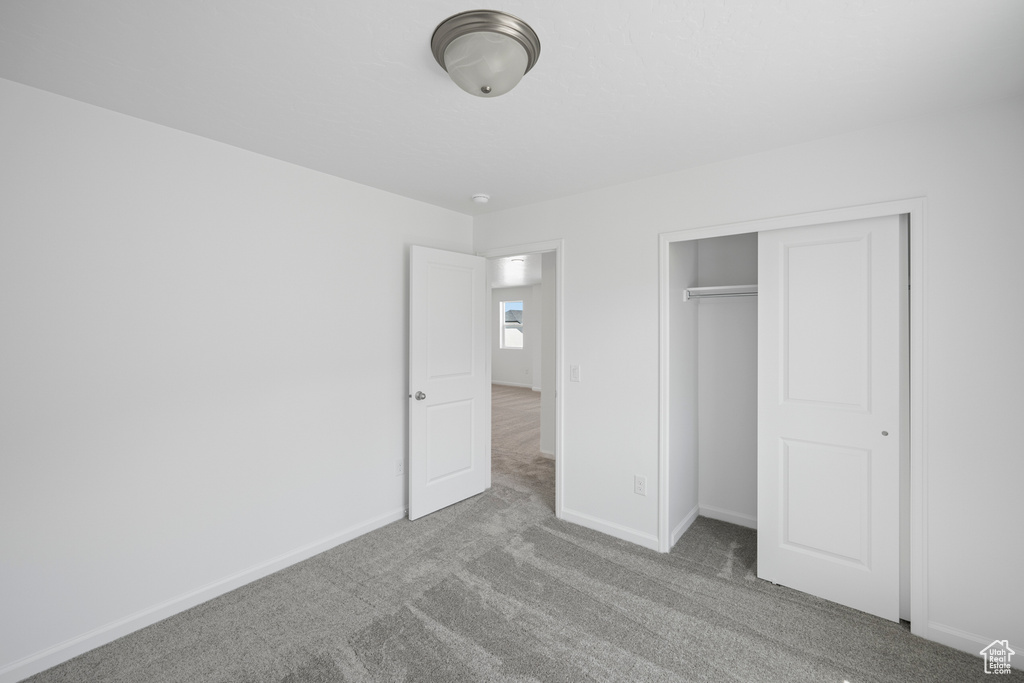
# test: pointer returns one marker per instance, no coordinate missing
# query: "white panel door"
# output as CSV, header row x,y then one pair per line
x,y
829,412
450,393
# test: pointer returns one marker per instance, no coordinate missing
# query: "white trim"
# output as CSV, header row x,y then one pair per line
x,y
971,643
915,207
61,652
537,389
611,528
723,515
512,384
919,623
488,368
557,246
665,541
684,525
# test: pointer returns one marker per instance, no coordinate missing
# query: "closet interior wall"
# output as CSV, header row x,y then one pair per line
x,y
713,383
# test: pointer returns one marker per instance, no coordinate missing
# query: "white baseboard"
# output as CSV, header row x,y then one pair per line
x,y
512,384
728,516
683,525
958,639
610,528
537,389
547,454
61,652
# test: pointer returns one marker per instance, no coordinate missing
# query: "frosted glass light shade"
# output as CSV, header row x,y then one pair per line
x,y
485,64
484,51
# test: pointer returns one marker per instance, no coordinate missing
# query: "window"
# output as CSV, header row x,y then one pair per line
x,y
511,325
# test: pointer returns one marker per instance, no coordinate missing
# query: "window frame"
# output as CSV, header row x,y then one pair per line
x,y
503,325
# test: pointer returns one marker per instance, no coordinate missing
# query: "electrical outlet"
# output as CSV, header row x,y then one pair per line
x,y
640,485
399,468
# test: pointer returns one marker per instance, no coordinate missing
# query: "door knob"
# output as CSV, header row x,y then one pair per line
x,y
420,396
885,433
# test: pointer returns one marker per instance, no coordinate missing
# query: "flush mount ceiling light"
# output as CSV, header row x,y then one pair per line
x,y
485,52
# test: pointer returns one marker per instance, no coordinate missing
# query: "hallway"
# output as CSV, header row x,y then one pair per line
x,y
516,460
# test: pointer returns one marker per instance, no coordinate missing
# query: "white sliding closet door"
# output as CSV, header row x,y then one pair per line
x,y
829,412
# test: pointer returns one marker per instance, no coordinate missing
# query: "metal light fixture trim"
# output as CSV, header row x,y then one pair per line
x,y
485,21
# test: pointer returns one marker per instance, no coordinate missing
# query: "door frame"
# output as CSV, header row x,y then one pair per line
x,y
556,246
915,207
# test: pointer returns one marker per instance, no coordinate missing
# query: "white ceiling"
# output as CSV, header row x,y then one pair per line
x,y
624,89
515,271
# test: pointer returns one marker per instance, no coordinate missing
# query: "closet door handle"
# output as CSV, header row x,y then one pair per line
x,y
420,396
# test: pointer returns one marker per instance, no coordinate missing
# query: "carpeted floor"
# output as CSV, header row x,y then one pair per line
x,y
496,589
516,459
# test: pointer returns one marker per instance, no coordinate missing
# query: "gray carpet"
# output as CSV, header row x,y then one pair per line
x,y
496,589
516,459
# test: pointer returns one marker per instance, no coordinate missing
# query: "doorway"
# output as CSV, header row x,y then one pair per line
x,y
522,362
673,517
528,278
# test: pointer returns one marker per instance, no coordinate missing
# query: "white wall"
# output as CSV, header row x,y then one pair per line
x,y
683,470
969,164
203,368
727,381
548,299
537,347
516,366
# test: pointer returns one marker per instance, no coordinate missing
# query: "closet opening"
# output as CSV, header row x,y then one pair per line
x,y
724,454
713,386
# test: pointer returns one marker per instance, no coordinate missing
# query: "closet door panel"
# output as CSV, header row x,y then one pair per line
x,y
828,412
826,357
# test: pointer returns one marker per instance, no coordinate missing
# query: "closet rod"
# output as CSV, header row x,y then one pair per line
x,y
720,296
718,292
